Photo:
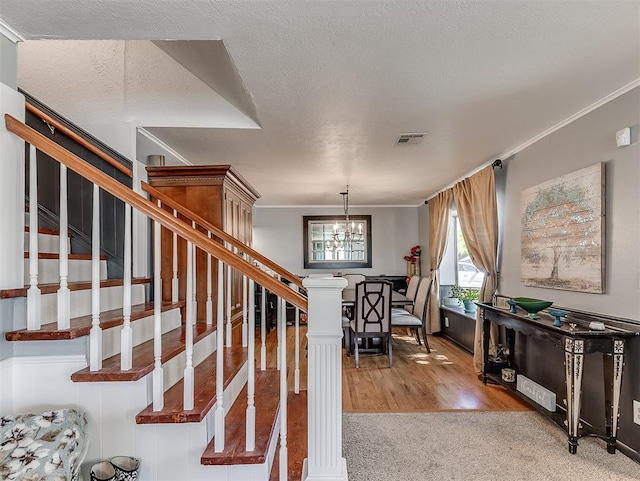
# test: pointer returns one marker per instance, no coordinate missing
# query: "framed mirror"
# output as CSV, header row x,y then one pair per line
x,y
330,242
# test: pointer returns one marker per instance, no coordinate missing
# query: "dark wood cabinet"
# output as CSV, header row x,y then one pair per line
x,y
458,326
221,196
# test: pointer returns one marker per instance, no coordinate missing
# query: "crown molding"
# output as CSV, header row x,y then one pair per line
x,y
10,33
599,103
161,144
573,118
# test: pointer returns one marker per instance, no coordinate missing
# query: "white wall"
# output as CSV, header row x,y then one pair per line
x,y
277,233
588,140
11,193
8,65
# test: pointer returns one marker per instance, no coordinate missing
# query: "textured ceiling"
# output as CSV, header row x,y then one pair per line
x,y
332,83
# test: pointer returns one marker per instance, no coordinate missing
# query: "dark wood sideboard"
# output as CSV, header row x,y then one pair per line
x,y
578,341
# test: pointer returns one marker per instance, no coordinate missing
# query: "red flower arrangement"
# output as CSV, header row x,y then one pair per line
x,y
414,255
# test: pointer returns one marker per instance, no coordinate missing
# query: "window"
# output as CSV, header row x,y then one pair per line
x,y
456,267
325,246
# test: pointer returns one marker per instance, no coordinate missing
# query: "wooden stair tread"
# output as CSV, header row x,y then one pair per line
x,y
73,286
80,326
297,438
204,393
142,362
267,401
72,257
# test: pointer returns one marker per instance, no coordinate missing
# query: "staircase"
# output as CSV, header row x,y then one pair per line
x,y
158,383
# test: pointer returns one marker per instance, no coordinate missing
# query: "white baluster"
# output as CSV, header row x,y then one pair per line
x,y
194,273
228,305
175,284
283,461
158,379
209,304
188,369
263,330
126,334
279,330
34,302
64,295
95,335
244,311
219,414
251,375
296,370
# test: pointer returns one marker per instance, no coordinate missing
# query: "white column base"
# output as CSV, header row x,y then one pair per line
x,y
34,308
126,348
158,389
305,473
95,348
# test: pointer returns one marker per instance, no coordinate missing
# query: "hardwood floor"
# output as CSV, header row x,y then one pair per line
x,y
443,380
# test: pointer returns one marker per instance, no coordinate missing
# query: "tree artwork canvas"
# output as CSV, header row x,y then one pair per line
x,y
563,232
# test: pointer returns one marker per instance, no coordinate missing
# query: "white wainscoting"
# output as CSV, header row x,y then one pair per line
x,y
168,452
6,385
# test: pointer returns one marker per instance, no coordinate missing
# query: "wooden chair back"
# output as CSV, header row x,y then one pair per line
x,y
373,307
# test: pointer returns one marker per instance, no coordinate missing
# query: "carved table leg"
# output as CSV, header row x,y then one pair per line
x,y
486,334
574,359
618,363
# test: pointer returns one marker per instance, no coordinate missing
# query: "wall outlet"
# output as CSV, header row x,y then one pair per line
x,y
446,324
636,412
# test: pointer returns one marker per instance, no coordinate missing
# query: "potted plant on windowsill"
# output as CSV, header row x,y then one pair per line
x,y
468,296
453,299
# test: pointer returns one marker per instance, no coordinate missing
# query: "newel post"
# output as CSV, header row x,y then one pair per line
x,y
324,385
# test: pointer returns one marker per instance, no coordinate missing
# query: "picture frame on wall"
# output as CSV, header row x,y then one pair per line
x,y
563,232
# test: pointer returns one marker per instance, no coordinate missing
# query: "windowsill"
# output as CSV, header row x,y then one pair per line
x,y
460,311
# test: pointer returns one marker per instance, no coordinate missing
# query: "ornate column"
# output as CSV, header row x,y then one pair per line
x,y
324,333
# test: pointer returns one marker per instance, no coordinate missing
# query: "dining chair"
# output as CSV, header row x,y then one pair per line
x,y
372,315
353,279
417,320
412,290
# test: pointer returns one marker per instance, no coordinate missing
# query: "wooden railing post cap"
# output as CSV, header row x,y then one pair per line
x,y
328,282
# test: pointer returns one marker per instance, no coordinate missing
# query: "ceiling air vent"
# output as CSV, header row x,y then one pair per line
x,y
410,139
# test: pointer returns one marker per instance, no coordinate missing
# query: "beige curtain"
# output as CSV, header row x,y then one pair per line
x,y
475,199
439,214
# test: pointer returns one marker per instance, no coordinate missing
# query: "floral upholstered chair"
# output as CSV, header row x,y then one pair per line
x,y
50,445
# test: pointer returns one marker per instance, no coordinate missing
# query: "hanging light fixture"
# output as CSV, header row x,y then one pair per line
x,y
352,233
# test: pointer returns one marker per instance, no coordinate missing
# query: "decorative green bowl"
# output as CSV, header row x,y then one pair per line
x,y
532,306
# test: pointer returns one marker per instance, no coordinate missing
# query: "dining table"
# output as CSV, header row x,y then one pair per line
x,y
397,299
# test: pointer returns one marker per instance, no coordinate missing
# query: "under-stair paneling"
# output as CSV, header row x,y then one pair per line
x,y
6,385
10,311
220,196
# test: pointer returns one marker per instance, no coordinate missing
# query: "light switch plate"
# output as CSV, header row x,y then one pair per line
x,y
636,412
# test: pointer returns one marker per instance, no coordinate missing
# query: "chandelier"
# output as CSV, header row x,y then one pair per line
x,y
352,232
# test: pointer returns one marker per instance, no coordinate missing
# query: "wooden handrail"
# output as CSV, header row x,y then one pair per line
x,y
220,234
152,211
72,135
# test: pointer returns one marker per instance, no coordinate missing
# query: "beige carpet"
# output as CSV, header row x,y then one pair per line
x,y
473,446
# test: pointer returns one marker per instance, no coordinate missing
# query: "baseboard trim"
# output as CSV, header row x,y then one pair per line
x,y
629,452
